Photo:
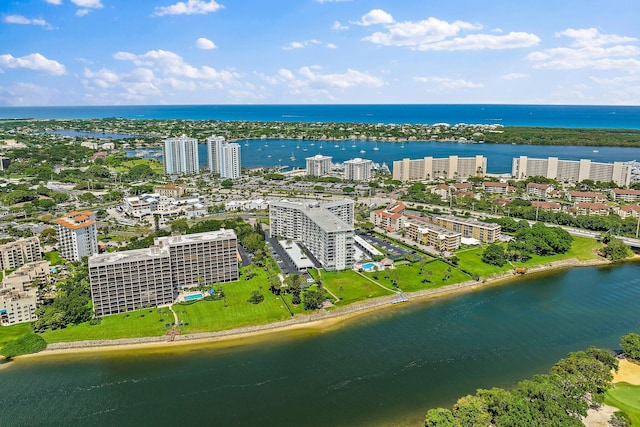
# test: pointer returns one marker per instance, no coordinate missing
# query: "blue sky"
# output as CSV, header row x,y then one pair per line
x,y
112,52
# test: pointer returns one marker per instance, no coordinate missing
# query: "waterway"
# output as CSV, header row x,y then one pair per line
x,y
387,368
279,152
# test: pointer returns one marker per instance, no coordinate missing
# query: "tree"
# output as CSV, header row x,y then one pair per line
x,y
140,172
630,344
256,297
494,255
440,417
227,183
615,250
471,411
179,226
313,299
88,198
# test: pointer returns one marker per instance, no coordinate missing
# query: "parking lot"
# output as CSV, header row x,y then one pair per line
x,y
393,251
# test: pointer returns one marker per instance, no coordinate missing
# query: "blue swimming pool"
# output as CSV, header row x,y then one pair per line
x,y
368,266
192,297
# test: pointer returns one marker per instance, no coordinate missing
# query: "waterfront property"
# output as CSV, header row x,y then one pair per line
x,y
571,170
181,156
429,168
19,292
77,235
224,157
318,165
390,218
326,229
434,235
357,169
17,253
127,280
470,227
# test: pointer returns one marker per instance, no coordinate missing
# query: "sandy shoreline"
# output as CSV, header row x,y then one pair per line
x,y
319,321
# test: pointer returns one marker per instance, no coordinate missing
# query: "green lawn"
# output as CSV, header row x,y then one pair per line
x,y
470,260
349,286
54,258
410,279
135,324
9,333
625,397
208,316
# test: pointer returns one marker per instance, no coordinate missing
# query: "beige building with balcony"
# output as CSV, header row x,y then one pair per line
x,y
430,168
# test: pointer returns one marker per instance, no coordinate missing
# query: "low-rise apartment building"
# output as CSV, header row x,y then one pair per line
x,y
495,187
471,228
586,208
428,233
539,190
547,206
625,195
390,218
15,254
585,197
172,191
628,211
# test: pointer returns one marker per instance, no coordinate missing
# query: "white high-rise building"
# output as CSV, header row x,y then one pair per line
x,y
181,156
326,230
430,168
318,165
224,157
571,170
357,169
77,235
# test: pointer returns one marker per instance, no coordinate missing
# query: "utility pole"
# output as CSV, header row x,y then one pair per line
x,y
638,227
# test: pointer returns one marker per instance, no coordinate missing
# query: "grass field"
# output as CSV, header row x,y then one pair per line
x,y
626,397
54,258
349,286
410,279
9,333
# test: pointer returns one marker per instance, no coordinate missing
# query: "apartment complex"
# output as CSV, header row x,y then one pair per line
x,y
326,230
15,254
429,168
181,156
571,170
358,169
539,190
172,191
433,235
318,165
390,218
128,280
621,195
19,296
470,228
77,235
224,157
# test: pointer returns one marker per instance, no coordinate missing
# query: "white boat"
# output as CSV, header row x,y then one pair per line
x,y
292,158
596,151
362,151
246,144
336,146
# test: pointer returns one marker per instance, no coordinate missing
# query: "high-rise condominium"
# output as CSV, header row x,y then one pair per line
x,y
181,156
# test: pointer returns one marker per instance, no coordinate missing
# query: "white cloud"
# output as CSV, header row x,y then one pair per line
x,y
35,62
591,37
172,64
338,26
345,80
514,76
448,83
300,45
19,19
375,16
206,44
28,94
436,34
82,12
191,7
55,2
331,46
588,50
91,4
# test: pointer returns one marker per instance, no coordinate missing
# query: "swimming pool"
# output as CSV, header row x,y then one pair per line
x,y
368,266
192,297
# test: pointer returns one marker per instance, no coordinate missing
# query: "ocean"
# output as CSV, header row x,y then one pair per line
x,y
569,116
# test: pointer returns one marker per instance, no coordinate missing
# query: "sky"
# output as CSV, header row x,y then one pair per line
x,y
168,52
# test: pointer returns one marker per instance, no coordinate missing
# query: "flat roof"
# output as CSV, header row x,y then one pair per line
x,y
295,253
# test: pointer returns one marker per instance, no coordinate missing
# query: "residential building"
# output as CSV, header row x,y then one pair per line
x,y
495,187
429,168
181,156
623,195
539,190
140,206
325,230
571,170
547,206
390,218
173,191
434,235
19,296
77,235
470,228
224,157
628,211
318,165
442,190
128,280
585,197
357,169
586,208
15,254
463,186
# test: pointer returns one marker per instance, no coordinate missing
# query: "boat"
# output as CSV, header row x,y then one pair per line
x,y
596,151
246,144
353,145
336,146
362,151
269,156
376,147
402,146
292,158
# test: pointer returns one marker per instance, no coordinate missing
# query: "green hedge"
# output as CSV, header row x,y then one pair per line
x,y
26,344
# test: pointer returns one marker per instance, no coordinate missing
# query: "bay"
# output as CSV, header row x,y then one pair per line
x,y
387,368
568,116
278,152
